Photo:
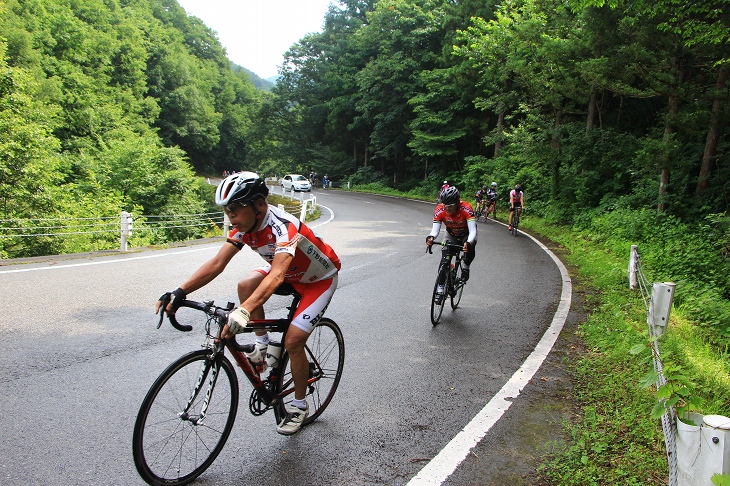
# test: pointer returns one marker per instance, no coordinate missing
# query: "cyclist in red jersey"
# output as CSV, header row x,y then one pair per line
x,y
294,254
461,226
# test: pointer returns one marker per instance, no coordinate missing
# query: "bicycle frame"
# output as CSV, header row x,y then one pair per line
x,y
219,315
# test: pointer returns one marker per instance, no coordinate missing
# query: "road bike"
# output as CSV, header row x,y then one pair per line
x,y
188,413
450,276
480,210
516,220
491,207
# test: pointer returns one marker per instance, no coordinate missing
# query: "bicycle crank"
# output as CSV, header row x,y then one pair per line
x,y
256,404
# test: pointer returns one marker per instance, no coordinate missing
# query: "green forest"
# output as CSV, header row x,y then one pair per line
x,y
612,115
593,106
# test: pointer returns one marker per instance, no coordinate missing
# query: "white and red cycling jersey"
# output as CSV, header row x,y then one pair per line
x,y
314,260
459,225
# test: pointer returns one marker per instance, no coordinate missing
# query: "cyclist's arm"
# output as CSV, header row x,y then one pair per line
x,y
472,225
206,273
434,232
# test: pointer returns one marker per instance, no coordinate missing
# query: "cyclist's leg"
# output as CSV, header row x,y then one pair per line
x,y
445,258
511,215
315,299
469,256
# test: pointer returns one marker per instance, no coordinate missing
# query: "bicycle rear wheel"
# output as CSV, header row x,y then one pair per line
x,y
325,351
438,302
457,286
172,443
515,223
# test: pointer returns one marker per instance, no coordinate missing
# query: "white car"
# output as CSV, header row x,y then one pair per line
x,y
296,182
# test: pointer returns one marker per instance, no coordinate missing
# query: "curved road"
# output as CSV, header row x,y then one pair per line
x,y
81,350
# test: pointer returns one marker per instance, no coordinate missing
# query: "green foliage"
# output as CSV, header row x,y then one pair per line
x,y
368,175
103,105
721,479
678,392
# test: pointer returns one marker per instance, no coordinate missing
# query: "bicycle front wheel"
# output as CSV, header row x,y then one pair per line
x,y
185,419
438,301
457,287
325,351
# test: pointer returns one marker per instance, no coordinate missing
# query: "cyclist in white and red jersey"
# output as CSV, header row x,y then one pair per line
x,y
461,226
294,255
516,202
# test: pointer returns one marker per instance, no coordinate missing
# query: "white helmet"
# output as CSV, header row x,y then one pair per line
x,y
241,187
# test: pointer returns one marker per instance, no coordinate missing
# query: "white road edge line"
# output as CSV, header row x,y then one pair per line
x,y
446,461
118,260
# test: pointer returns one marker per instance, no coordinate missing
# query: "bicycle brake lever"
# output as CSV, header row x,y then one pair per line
x,y
165,300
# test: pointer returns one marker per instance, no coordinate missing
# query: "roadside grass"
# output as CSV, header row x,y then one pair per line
x,y
612,439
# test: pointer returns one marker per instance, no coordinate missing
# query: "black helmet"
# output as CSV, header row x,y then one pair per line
x,y
518,187
484,188
450,196
241,187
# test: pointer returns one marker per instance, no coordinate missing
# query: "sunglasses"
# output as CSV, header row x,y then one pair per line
x,y
450,206
234,207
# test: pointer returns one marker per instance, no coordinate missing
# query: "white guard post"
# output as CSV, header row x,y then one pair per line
x,y
125,220
226,224
659,307
312,203
632,266
703,449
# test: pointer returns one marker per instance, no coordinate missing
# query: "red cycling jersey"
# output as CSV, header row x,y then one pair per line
x,y
314,260
456,225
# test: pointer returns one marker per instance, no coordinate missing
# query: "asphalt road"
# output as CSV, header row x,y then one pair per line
x,y
80,350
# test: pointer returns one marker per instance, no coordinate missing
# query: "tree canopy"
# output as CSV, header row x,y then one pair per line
x,y
589,104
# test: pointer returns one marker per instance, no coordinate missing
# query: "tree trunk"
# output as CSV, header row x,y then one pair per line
x,y
713,133
367,153
555,145
664,157
500,127
591,110
354,154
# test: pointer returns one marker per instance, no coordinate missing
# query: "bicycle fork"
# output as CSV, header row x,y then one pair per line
x,y
212,366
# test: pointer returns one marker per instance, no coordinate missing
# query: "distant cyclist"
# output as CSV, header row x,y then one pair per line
x,y
461,227
516,203
479,200
444,186
491,196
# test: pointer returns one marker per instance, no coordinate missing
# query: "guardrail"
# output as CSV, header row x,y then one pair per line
x,y
695,451
126,224
122,226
